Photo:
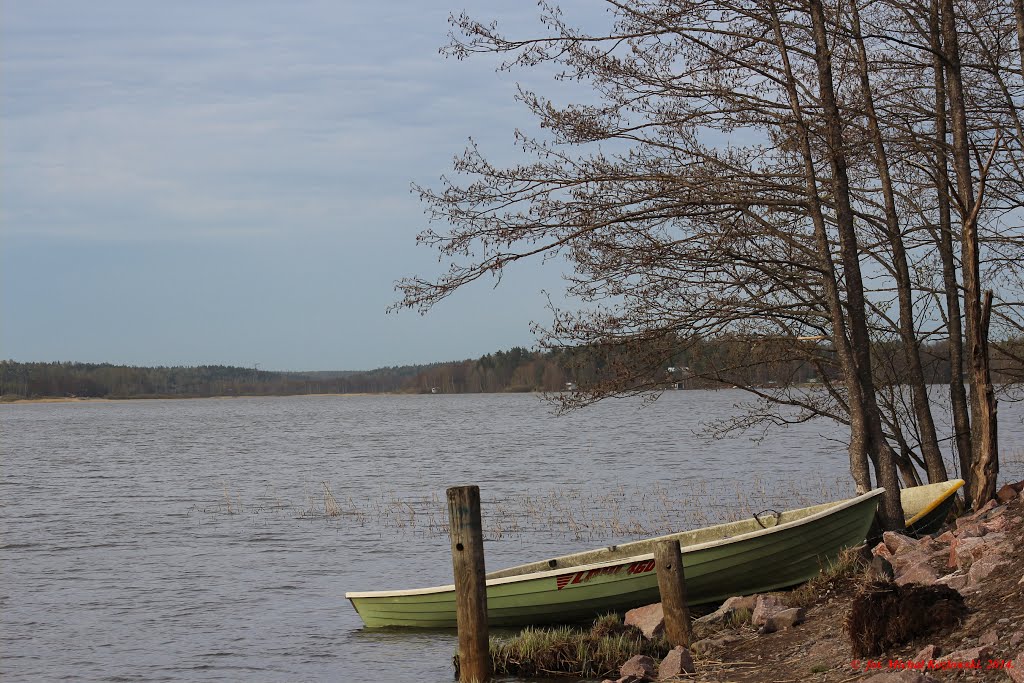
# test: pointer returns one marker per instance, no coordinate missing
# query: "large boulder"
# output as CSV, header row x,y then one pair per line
x,y
650,619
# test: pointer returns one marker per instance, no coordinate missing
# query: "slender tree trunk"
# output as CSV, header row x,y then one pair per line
x,y
890,510
936,468
859,434
954,320
984,455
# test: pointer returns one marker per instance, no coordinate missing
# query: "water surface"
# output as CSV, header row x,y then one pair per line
x,y
188,540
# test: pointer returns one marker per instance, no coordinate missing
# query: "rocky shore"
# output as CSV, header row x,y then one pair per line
x,y
947,607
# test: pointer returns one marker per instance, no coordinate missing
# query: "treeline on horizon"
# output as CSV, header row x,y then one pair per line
x,y
696,365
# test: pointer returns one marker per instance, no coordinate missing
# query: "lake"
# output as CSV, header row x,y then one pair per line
x,y
213,540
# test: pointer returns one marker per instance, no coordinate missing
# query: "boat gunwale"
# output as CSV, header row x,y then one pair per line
x,y
954,485
839,506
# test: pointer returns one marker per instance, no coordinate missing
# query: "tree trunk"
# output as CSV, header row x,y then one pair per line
x,y
985,467
890,510
954,319
984,454
936,468
859,447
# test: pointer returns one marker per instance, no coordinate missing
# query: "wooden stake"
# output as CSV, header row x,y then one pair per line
x,y
668,562
470,583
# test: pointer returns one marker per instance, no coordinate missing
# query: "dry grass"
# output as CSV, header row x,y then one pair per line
x,y
846,571
572,651
615,515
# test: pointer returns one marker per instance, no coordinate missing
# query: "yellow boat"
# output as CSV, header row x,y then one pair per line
x,y
926,507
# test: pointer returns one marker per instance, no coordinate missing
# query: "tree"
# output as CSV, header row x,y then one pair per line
x,y
725,185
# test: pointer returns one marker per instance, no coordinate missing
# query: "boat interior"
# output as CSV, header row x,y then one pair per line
x,y
711,534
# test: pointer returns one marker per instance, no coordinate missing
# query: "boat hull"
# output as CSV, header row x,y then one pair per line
x,y
926,507
756,561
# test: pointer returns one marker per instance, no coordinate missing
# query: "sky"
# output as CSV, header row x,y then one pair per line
x,y
229,183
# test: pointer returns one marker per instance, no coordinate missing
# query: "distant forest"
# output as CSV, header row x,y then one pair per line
x,y
699,365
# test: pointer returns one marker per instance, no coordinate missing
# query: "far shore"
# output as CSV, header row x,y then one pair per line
x,y
171,397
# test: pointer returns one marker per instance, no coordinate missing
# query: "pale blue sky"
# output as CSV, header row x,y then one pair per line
x,y
228,182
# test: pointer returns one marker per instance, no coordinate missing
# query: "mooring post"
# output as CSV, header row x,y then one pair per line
x,y
470,583
668,561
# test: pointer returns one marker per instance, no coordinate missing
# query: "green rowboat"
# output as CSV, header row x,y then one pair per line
x,y
739,558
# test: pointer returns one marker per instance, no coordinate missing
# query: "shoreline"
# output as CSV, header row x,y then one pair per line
x,y
171,397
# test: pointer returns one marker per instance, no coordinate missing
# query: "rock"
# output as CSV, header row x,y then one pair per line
x,y
740,602
881,549
765,607
966,551
946,537
677,663
968,529
985,508
632,679
981,568
1017,670
787,618
951,562
908,559
921,573
706,645
968,654
927,653
1019,486
882,568
898,543
1006,494
995,524
957,581
1016,638
729,609
650,619
641,666
1021,582
990,638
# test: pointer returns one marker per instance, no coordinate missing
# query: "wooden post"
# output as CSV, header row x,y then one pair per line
x,y
470,583
668,562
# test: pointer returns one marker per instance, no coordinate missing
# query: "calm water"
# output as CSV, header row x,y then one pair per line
x,y
187,540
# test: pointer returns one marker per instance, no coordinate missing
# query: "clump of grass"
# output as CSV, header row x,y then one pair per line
x,y
846,570
596,652
738,618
